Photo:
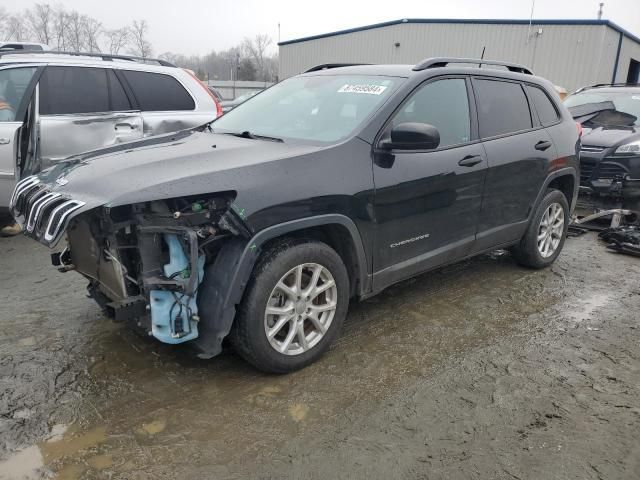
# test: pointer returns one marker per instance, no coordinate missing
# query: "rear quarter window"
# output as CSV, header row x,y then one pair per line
x,y
547,112
156,92
502,107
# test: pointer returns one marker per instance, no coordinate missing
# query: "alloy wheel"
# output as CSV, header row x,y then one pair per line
x,y
300,309
550,230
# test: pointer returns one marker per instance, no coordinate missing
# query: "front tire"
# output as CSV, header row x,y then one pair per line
x,y
293,308
546,233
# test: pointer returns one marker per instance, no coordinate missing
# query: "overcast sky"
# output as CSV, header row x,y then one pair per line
x,y
199,26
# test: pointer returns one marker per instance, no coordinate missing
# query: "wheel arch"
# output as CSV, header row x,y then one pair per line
x,y
565,180
227,277
566,184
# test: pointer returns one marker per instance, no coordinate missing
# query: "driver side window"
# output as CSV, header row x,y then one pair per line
x,y
13,86
443,104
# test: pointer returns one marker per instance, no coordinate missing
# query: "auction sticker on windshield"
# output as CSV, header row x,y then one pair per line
x,y
368,89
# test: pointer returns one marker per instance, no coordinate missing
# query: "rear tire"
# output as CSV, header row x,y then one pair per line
x,y
546,233
283,323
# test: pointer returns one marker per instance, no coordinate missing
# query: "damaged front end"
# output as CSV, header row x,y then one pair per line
x,y
145,262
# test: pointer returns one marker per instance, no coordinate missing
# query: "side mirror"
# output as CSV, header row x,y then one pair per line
x,y
413,136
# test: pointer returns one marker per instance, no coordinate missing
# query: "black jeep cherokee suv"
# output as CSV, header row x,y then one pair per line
x,y
329,186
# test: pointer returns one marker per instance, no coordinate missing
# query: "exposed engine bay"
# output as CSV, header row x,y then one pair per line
x,y
145,262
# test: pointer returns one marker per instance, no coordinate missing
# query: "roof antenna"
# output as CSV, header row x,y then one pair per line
x,y
600,11
482,56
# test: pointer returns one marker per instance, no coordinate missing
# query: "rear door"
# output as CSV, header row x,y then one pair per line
x,y
82,109
16,87
519,151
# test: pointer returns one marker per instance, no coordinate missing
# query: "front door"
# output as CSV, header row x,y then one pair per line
x,y
15,90
427,203
83,109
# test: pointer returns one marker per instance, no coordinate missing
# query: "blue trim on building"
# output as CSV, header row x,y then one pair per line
x,y
491,21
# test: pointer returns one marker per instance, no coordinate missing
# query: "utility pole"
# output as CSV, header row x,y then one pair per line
x,y
533,4
600,11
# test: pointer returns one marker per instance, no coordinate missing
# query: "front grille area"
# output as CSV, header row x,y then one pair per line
x,y
591,149
611,170
42,213
586,170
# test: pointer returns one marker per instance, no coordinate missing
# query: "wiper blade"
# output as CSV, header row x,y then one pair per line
x,y
253,136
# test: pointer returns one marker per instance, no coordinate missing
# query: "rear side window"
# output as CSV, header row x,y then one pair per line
x,y
502,107
156,92
543,105
69,90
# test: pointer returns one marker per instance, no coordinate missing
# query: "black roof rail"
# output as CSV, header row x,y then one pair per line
x,y
437,62
598,85
327,66
104,56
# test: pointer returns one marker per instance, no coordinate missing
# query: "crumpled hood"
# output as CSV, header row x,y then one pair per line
x,y
609,137
183,163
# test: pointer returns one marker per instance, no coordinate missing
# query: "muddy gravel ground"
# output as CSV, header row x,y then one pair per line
x,y
479,370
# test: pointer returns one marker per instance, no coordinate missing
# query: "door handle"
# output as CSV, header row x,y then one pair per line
x,y
124,124
4,141
470,161
542,145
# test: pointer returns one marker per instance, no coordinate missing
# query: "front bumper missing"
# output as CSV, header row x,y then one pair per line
x,y
173,297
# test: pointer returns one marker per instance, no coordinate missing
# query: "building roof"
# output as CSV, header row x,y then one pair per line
x,y
493,21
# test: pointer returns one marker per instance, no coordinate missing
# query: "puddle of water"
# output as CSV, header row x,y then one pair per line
x,y
155,427
72,442
590,304
298,412
71,472
22,465
100,462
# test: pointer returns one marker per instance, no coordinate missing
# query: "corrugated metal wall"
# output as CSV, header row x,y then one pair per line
x,y
569,55
629,50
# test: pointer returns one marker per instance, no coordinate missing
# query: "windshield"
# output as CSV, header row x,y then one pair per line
x,y
245,96
624,102
316,108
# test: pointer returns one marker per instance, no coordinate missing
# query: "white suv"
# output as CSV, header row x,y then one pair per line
x,y
54,105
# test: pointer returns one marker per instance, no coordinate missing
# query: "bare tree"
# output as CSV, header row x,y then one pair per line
x,y
60,28
117,39
41,20
16,28
75,33
3,22
140,45
256,49
92,31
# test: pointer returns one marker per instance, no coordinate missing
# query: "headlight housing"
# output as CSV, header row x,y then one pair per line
x,y
631,148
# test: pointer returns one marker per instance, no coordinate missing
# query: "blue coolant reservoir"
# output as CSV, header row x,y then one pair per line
x,y
174,315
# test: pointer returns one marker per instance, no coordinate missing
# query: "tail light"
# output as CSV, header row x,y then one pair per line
x,y
206,88
579,125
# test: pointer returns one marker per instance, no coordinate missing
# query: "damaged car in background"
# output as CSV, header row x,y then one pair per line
x,y
609,163
57,104
610,150
329,186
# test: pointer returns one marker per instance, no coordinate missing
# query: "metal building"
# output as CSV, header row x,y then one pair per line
x,y
570,53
